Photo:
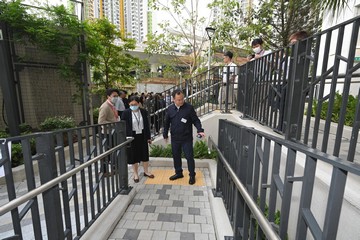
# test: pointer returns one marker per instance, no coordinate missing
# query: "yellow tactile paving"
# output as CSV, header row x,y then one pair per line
x,y
162,177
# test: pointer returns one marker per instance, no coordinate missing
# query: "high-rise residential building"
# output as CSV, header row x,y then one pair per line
x,y
136,19
130,16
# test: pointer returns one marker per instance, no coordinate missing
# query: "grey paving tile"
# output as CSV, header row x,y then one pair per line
x,y
140,216
164,196
137,201
132,234
183,210
171,209
143,225
194,211
157,202
187,218
194,198
175,217
212,237
155,225
164,217
154,196
207,228
201,236
160,209
187,236
118,233
178,203
198,193
168,226
159,235
145,235
168,187
188,204
152,216
138,208
200,219
147,202
199,205
149,209
181,227
130,224
206,212
167,203
194,227
173,236
129,215
161,191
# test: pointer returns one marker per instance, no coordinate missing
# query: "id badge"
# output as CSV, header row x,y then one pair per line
x,y
183,120
138,132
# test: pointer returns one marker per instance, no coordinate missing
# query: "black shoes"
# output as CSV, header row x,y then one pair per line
x,y
176,176
192,180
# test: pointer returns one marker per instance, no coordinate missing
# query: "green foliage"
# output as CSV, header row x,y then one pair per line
x,y
160,151
201,151
96,115
274,21
184,33
54,31
111,61
335,113
25,128
16,155
57,122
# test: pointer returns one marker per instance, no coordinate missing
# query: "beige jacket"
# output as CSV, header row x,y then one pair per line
x,y
106,114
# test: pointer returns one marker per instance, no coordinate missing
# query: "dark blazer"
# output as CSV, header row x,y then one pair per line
x,y
127,117
181,121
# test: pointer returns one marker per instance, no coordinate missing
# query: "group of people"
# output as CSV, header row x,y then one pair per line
x,y
230,68
179,120
179,117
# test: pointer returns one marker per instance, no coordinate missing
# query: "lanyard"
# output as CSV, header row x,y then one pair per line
x,y
137,119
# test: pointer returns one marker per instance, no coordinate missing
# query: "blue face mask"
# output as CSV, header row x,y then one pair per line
x,y
134,108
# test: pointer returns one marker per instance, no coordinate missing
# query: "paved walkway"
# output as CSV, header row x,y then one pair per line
x,y
168,211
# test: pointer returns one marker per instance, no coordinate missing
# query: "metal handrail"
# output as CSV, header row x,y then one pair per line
x,y
186,98
257,213
46,186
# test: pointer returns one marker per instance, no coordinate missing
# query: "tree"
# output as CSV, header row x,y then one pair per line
x,y
274,21
108,54
184,35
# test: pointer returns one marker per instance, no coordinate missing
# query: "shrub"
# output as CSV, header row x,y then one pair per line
x,y
335,115
57,122
200,151
16,155
25,128
96,115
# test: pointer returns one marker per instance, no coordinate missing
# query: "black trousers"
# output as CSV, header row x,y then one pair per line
x,y
187,147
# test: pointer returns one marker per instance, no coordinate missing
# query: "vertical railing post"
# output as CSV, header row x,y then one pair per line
x,y
295,83
248,83
227,89
120,128
47,172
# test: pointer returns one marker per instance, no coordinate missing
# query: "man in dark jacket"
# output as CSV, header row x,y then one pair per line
x,y
180,117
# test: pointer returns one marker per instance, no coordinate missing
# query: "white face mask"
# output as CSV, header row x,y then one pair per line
x,y
257,50
114,99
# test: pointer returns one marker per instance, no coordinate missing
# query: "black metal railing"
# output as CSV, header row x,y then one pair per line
x,y
209,91
260,173
303,89
80,171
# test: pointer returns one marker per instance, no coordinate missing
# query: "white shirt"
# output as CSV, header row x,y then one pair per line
x,y
232,69
119,105
137,121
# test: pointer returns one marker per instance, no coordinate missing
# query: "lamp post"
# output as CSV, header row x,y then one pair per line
x,y
210,31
